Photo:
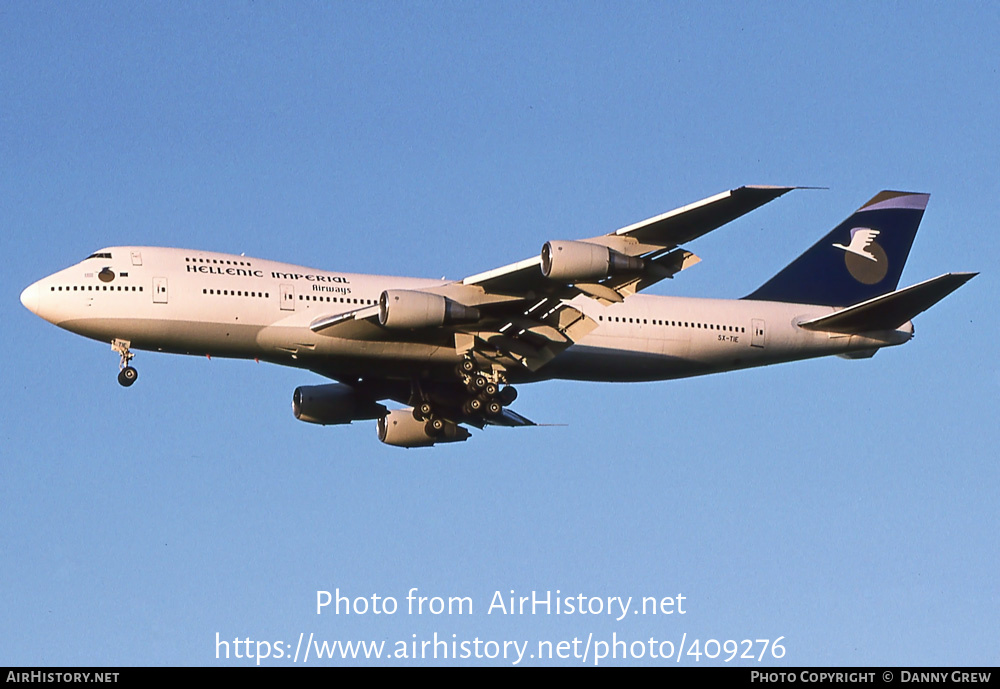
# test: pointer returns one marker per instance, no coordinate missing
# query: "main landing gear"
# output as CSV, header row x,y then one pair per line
x,y
485,396
126,374
477,396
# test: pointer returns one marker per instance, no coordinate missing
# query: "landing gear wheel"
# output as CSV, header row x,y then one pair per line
x,y
507,396
466,366
423,411
127,376
434,427
494,408
490,389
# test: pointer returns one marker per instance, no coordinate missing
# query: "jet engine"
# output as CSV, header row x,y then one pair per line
x,y
580,261
399,428
408,309
332,404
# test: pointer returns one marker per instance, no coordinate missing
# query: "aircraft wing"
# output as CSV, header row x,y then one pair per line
x,y
525,319
653,239
684,224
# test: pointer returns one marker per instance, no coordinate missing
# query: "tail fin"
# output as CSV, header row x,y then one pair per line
x,y
862,258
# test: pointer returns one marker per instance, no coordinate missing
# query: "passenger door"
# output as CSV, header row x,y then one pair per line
x,y
757,336
288,297
159,290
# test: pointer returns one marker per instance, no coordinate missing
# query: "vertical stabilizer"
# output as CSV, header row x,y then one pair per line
x,y
862,258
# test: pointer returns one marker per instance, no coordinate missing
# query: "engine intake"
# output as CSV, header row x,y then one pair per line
x,y
579,261
409,309
332,404
399,428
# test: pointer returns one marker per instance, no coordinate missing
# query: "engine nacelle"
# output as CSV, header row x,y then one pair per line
x,y
332,404
399,428
579,261
408,309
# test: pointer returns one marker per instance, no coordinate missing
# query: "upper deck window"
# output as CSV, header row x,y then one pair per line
x,y
98,255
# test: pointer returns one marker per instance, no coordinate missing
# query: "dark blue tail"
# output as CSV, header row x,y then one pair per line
x,y
861,259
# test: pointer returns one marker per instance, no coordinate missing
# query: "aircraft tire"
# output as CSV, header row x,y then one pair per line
x,y
127,376
434,427
507,396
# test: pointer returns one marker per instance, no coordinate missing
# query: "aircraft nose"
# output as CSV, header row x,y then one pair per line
x,y
29,297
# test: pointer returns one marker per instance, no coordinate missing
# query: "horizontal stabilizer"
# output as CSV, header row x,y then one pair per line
x,y
892,310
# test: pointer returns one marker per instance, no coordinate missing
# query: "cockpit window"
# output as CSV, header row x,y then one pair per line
x,y
98,255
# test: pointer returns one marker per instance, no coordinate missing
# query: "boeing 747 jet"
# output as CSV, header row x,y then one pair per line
x,y
450,352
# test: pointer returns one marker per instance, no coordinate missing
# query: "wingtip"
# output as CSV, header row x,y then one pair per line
x,y
778,187
772,190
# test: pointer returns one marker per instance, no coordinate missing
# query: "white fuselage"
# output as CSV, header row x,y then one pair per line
x,y
204,303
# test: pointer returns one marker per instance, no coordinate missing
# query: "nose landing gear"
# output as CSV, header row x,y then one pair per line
x,y
126,374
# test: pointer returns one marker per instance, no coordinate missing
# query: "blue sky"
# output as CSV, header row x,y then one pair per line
x,y
846,506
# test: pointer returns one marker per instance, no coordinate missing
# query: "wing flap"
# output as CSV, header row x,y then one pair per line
x,y
657,269
535,337
510,418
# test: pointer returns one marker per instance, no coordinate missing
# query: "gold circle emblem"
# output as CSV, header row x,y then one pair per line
x,y
865,270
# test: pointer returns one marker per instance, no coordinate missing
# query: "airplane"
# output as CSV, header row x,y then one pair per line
x,y
451,351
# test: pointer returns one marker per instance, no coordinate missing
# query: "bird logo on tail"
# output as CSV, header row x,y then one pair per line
x,y
865,259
